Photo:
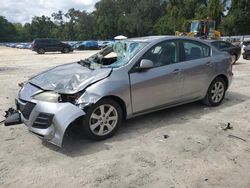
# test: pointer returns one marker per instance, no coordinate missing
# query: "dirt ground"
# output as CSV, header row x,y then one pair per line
x,y
197,153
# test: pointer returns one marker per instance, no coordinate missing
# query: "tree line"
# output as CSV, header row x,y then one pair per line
x,y
131,18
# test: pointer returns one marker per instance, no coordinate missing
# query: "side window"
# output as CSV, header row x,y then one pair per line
x,y
225,45
164,53
216,45
54,42
195,50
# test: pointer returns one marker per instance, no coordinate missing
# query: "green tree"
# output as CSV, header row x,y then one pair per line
x,y
7,30
41,27
58,31
237,22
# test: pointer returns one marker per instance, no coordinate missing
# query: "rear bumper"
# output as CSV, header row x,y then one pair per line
x,y
48,120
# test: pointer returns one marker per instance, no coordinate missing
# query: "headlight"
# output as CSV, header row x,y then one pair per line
x,y
48,96
72,98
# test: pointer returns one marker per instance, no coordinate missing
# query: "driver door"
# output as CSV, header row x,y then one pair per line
x,y
160,85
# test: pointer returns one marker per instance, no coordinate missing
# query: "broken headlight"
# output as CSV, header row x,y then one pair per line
x,y
72,98
47,96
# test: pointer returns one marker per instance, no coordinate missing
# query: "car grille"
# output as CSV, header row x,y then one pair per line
x,y
43,120
27,109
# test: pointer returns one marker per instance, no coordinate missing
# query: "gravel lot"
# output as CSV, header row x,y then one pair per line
x,y
197,153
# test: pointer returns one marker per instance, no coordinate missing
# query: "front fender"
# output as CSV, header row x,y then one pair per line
x,y
63,114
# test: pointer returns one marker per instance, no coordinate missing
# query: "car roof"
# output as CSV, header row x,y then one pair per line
x,y
210,41
151,39
45,39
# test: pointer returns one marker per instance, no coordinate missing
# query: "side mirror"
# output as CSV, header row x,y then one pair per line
x,y
145,64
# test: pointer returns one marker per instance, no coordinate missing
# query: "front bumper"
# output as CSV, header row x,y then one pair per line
x,y
246,55
48,120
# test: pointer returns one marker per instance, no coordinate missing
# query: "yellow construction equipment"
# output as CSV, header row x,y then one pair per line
x,y
202,29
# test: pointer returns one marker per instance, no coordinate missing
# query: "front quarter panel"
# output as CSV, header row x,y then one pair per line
x,y
116,85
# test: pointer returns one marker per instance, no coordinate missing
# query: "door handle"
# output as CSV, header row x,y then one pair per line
x,y
176,71
210,64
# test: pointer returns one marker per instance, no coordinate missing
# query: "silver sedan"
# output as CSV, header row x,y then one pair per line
x,y
134,77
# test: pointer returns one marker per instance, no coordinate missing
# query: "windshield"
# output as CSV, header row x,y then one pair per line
x,y
116,56
211,26
194,26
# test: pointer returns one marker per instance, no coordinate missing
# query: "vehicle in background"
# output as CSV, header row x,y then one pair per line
x,y
13,45
245,44
23,45
88,45
72,43
205,29
50,45
246,53
146,74
28,46
105,44
234,51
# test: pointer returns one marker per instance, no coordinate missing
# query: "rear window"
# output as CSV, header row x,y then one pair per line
x,y
42,41
195,50
225,45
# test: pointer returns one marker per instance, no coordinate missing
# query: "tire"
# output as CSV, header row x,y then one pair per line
x,y
65,50
97,126
234,59
246,57
40,51
216,92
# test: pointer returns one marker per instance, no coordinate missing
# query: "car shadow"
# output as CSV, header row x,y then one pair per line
x,y
239,63
52,53
75,145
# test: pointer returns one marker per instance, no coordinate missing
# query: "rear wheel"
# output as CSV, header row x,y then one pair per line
x,y
102,119
216,92
40,51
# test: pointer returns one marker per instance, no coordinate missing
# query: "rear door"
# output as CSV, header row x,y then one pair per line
x,y
54,45
160,85
198,68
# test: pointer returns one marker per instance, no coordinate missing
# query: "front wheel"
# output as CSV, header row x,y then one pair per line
x,y
40,51
102,119
65,50
215,93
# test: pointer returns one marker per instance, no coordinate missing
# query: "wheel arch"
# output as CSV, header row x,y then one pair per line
x,y
224,77
119,101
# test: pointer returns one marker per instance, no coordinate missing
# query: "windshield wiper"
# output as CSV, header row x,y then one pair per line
x,y
85,63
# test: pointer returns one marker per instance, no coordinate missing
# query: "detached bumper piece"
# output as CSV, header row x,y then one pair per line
x,y
13,117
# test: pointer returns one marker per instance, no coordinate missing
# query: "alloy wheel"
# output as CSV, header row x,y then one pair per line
x,y
103,119
217,92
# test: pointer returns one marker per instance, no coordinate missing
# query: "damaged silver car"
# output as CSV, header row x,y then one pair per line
x,y
134,77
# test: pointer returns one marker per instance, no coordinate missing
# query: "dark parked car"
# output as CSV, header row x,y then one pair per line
x,y
50,45
88,45
246,53
234,51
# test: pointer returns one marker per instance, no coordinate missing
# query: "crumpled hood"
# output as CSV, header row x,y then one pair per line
x,y
69,78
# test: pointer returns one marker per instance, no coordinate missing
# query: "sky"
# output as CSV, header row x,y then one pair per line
x,y
22,11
